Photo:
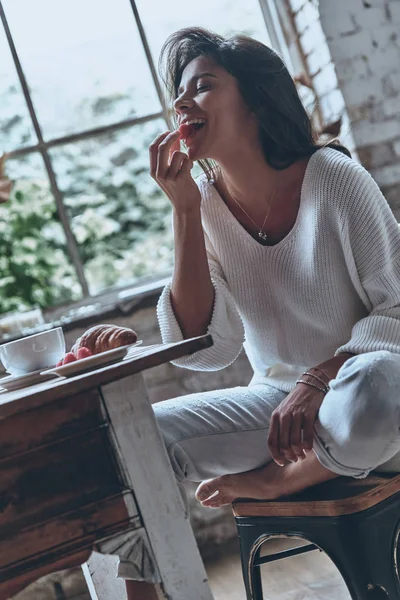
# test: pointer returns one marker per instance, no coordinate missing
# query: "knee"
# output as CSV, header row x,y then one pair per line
x,y
368,393
374,377
171,425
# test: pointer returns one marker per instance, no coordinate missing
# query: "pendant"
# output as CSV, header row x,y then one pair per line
x,y
263,236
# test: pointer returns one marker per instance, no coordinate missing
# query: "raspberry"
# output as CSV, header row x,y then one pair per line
x,y
83,353
69,358
186,131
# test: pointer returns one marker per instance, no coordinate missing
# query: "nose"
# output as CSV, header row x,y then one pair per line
x,y
182,103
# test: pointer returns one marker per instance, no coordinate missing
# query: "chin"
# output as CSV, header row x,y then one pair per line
x,y
194,154
197,153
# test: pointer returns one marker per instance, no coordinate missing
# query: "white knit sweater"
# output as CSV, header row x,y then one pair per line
x,y
331,285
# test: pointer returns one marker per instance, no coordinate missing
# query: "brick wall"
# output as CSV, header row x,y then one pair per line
x,y
318,63
352,50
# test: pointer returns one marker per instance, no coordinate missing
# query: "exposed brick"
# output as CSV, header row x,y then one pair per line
x,y
313,38
166,391
366,133
332,105
376,156
369,18
391,84
336,18
392,195
325,81
387,176
391,107
354,45
395,11
355,93
306,16
384,36
396,147
350,68
318,59
381,61
296,5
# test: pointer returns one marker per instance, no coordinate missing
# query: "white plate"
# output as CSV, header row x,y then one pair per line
x,y
14,382
133,352
92,362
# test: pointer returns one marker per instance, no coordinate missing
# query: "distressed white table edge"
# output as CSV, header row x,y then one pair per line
x,y
168,528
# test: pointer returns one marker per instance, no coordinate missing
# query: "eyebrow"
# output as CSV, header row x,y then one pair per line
x,y
197,77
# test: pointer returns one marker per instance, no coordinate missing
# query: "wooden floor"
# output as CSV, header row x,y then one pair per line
x,y
309,576
306,577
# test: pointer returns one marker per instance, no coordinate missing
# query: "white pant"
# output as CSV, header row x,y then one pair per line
x,y
225,431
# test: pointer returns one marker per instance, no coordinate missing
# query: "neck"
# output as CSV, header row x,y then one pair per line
x,y
248,177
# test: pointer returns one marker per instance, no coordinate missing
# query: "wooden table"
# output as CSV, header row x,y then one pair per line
x,y
81,459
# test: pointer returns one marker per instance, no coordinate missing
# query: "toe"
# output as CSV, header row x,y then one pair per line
x,y
207,488
217,501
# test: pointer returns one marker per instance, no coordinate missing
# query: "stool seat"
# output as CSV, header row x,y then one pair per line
x,y
342,496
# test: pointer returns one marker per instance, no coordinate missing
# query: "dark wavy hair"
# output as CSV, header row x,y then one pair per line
x,y
285,129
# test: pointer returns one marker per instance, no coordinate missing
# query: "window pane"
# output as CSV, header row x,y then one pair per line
x,y
119,216
15,123
84,62
224,17
34,265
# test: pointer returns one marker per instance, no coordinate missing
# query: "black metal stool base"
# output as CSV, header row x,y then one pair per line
x,y
363,546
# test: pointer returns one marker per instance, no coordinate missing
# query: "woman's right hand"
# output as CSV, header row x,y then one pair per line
x,y
171,170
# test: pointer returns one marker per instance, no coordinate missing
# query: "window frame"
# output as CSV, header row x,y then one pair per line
x,y
274,29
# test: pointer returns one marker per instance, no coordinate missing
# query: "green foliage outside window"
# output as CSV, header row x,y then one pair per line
x,y
34,269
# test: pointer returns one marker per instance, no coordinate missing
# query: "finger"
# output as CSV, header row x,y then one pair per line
x,y
176,164
284,438
176,147
153,150
187,166
295,440
273,440
163,154
308,431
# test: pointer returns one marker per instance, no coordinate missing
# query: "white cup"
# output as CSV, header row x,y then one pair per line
x,y
33,352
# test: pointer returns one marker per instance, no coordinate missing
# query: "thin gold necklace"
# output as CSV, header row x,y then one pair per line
x,y
261,234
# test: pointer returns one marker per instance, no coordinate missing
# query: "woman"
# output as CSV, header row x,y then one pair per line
x,y
290,248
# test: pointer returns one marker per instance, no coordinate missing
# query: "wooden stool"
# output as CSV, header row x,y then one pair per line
x,y
355,521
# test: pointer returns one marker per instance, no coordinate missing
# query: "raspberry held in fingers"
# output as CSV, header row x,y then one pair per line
x,y
186,131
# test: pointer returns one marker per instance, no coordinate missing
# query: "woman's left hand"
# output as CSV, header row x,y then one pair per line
x,y
291,431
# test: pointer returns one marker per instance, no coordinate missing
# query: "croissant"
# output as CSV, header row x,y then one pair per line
x,y
101,338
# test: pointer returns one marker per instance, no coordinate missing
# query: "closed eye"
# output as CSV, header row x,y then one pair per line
x,y
203,88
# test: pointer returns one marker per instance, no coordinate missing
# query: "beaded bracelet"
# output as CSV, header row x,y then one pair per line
x,y
325,390
316,377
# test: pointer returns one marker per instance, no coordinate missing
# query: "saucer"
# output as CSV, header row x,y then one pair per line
x,y
17,382
92,362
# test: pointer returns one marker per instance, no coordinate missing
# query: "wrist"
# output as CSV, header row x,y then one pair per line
x,y
317,374
187,213
313,383
329,369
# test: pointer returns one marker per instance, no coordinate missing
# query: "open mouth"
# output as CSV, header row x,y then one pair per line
x,y
190,128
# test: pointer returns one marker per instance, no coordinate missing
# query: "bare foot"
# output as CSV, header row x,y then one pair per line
x,y
267,483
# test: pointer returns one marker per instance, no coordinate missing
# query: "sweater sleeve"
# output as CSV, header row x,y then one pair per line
x,y
226,327
372,241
